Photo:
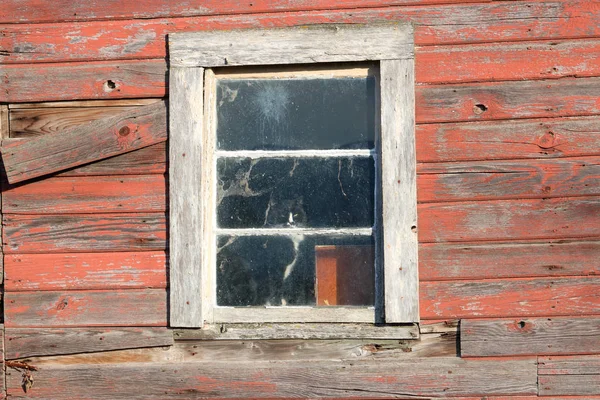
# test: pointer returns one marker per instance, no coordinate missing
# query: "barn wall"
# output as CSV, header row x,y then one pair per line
x,y
508,151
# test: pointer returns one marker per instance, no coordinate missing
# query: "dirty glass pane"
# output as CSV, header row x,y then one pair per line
x,y
295,270
295,114
295,192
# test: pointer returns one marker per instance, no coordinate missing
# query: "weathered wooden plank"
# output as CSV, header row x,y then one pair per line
x,y
541,336
28,342
134,307
508,61
29,272
440,261
574,217
508,179
4,121
304,331
83,233
519,298
307,44
382,378
437,24
98,194
508,100
17,11
36,119
101,80
101,139
399,187
579,375
187,217
542,138
434,64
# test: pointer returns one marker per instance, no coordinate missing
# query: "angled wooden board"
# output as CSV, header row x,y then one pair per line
x,y
30,342
529,336
122,133
426,378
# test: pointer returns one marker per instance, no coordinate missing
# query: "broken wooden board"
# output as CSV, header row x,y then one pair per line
x,y
538,336
562,376
451,261
30,342
516,298
122,133
78,308
84,233
77,271
381,378
436,24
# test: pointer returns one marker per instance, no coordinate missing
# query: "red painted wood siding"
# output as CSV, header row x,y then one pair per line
x,y
508,147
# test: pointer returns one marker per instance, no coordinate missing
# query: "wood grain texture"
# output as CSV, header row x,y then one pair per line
x,y
29,11
437,24
508,100
508,61
187,218
538,336
93,195
34,119
308,44
29,342
518,298
574,217
305,331
399,191
492,140
524,179
432,377
82,308
441,261
577,375
71,81
101,139
4,121
76,271
83,233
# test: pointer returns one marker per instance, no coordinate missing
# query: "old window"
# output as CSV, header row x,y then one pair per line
x,y
292,176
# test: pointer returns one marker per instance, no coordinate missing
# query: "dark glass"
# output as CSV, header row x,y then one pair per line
x,y
295,192
283,270
295,114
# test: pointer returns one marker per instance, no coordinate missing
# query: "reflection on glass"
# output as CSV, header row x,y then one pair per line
x,y
296,114
295,270
295,192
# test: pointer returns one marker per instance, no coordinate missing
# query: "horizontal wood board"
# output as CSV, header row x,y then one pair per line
x,y
578,375
536,336
431,377
134,307
437,24
29,342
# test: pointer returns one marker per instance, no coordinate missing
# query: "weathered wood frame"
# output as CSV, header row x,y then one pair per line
x,y
191,54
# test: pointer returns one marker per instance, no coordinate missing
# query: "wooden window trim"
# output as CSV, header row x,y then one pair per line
x,y
193,54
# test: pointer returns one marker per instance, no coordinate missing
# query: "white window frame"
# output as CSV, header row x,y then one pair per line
x,y
191,119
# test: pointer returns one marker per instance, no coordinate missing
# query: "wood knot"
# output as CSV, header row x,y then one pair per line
x,y
124,131
548,140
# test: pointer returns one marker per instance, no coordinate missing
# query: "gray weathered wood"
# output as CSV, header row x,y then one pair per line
x,y
416,378
299,331
569,376
106,137
399,191
296,45
539,336
4,122
185,156
28,342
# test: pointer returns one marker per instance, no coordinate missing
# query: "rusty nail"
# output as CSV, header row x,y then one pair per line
x,y
124,131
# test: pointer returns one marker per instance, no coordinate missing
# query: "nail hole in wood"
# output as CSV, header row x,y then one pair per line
x,y
479,108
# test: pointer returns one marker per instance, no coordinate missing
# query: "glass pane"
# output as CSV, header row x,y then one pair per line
x,y
293,114
295,270
295,192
